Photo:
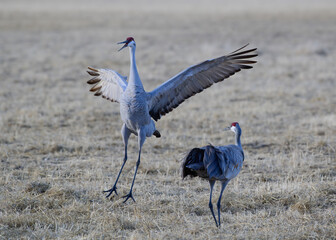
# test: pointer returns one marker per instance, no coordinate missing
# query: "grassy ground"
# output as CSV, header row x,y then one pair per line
x,y
60,146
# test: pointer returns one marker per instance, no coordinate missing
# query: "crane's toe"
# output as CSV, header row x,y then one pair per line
x,y
110,191
157,134
128,196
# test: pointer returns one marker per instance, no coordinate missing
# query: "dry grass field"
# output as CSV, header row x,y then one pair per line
x,y
60,146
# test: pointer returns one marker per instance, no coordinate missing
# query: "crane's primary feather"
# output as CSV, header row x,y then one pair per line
x,y
107,83
195,79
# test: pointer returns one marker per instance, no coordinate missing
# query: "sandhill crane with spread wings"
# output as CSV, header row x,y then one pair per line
x,y
139,108
220,163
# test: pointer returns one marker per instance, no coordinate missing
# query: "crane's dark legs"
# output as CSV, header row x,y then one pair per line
x,y
114,188
130,195
212,183
141,140
125,132
224,183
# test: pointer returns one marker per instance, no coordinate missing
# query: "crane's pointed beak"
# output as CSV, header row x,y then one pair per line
x,y
227,128
126,43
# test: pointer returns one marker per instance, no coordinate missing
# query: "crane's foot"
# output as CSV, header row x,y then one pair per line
x,y
110,191
128,196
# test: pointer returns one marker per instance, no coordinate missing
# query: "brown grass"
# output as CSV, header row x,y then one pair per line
x,y
60,147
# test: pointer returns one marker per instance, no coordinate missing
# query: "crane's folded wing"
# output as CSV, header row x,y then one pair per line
x,y
107,83
214,162
195,79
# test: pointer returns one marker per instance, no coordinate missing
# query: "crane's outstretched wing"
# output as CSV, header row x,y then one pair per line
x,y
195,79
107,83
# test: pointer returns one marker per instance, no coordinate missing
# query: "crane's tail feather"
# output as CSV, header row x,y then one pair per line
x,y
192,162
195,166
157,134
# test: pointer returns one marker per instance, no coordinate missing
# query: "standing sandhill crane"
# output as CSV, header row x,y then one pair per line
x,y
138,108
220,163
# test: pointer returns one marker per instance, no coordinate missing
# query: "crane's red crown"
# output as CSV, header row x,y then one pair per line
x,y
234,124
129,39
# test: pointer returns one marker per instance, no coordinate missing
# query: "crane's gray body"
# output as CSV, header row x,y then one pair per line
x,y
134,111
231,161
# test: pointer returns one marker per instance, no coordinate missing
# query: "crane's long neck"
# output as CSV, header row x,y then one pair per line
x,y
134,78
238,134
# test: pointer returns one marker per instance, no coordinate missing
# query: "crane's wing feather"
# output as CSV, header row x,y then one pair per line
x,y
215,162
107,83
195,79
